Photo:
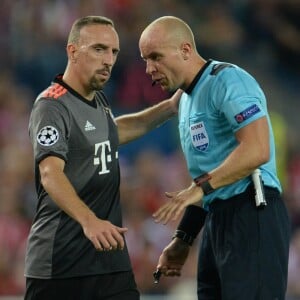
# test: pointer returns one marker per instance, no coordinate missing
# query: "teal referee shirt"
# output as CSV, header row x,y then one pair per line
x,y
222,99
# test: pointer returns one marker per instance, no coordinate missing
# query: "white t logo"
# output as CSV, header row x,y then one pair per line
x,y
104,156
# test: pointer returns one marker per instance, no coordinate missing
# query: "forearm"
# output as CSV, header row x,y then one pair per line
x,y
252,151
238,165
191,224
133,126
235,167
64,195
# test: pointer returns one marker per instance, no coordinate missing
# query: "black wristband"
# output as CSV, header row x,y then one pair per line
x,y
192,222
202,181
184,237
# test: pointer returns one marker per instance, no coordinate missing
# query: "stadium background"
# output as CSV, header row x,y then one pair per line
x,y
263,36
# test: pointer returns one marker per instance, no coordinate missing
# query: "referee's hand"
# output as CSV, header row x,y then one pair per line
x,y
173,258
178,201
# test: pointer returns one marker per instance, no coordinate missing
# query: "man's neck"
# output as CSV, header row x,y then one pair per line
x,y
70,78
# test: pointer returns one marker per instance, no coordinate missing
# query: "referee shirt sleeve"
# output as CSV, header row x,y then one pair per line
x,y
48,129
238,96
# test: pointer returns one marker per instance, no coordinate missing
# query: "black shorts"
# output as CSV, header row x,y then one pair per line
x,y
244,250
115,286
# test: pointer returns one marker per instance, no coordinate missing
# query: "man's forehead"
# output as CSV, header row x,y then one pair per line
x,y
155,46
151,49
152,40
153,33
99,34
97,30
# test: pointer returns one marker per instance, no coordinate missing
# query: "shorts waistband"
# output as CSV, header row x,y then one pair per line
x,y
270,192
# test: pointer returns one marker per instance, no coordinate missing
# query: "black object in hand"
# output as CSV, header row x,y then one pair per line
x,y
156,276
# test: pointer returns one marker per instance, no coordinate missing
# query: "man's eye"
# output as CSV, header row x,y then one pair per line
x,y
99,49
156,57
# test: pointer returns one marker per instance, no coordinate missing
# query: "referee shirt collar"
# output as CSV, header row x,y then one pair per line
x,y
197,77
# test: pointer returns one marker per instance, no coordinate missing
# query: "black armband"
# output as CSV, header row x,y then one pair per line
x,y
191,223
203,182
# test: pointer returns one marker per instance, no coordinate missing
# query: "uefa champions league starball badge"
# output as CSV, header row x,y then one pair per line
x,y
48,136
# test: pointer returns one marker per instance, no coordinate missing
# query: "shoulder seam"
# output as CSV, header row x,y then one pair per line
x,y
54,91
219,67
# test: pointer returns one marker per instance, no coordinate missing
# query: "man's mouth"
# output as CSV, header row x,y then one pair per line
x,y
155,81
104,73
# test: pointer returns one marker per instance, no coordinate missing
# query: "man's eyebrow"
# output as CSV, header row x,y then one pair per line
x,y
152,55
104,46
99,45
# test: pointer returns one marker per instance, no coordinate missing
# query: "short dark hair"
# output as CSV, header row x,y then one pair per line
x,y
85,21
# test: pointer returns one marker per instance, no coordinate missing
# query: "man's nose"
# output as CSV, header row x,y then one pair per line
x,y
109,59
150,68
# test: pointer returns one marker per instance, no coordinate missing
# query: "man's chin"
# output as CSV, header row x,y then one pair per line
x,y
98,84
167,88
98,87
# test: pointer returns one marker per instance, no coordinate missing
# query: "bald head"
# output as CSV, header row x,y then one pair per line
x,y
167,45
169,29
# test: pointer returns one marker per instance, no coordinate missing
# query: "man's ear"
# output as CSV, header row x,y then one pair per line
x,y
71,51
186,50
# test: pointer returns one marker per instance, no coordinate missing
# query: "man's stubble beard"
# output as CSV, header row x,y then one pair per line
x,y
96,85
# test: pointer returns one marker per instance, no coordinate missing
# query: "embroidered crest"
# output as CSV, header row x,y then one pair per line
x,y
199,136
48,136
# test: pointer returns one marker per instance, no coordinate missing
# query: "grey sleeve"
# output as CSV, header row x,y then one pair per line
x,y
49,127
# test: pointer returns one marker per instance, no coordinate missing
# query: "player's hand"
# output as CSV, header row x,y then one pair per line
x,y
173,257
177,203
104,235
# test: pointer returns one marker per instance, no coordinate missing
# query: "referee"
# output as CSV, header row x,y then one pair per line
x,y
226,137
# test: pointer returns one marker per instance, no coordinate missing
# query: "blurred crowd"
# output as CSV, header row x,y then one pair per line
x,y
263,36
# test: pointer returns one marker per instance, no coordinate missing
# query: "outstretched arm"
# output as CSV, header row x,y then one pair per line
x,y
133,126
252,151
